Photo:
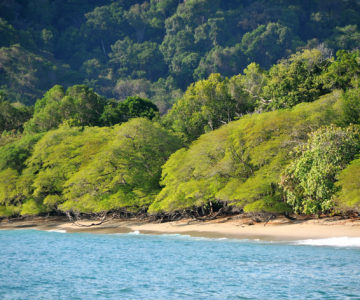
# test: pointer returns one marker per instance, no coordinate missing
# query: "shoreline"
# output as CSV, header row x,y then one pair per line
x,y
279,229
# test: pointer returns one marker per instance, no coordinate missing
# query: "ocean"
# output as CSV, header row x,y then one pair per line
x,y
56,265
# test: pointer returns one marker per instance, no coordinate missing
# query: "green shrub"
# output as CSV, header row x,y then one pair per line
x,y
309,181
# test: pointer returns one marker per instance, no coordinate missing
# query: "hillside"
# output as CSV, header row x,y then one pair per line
x,y
153,48
179,108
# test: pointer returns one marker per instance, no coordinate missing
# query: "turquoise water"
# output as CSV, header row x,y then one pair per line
x,y
52,265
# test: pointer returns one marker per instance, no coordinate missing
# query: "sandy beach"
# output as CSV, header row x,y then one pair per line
x,y
229,227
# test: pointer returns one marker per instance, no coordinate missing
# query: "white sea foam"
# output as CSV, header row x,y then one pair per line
x,y
192,238
171,234
57,230
332,242
136,232
176,235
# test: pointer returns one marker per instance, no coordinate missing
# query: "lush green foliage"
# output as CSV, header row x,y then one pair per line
x,y
303,77
241,162
14,155
207,105
79,105
25,76
132,107
125,173
12,116
352,106
87,169
295,80
344,72
166,43
244,121
309,181
59,155
348,198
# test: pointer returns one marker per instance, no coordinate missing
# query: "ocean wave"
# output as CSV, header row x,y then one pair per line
x,y
332,242
57,230
176,235
136,232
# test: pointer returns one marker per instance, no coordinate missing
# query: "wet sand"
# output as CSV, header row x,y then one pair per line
x,y
229,227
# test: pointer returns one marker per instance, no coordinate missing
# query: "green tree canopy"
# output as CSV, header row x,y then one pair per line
x,y
241,162
272,36
206,105
124,174
14,155
13,117
226,61
344,71
56,157
352,106
348,184
98,43
132,107
79,105
309,181
295,80
138,60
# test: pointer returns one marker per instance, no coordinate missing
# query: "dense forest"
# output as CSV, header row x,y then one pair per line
x,y
169,107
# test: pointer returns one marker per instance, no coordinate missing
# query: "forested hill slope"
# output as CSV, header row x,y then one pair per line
x,y
262,102
302,160
156,48
261,160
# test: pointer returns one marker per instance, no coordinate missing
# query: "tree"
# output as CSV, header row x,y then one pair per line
x,y
79,105
56,157
132,107
83,105
14,155
205,106
9,35
47,112
227,61
267,43
352,106
135,87
240,163
105,25
11,193
348,184
344,71
345,38
138,60
69,42
165,93
309,181
125,174
13,117
295,80
26,75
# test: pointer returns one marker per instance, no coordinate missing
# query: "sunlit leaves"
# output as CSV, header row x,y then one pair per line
x,y
125,173
349,185
241,162
207,105
309,181
79,105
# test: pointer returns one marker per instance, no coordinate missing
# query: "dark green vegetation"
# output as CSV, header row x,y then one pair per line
x,y
155,48
270,125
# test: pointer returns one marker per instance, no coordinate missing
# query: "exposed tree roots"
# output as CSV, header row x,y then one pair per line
x,y
209,212
75,218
